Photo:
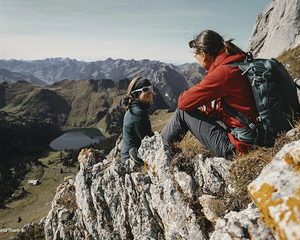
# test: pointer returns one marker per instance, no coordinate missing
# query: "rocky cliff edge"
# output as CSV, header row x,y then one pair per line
x,y
166,199
276,29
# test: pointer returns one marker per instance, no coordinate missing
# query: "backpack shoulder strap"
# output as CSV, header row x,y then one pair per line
x,y
239,116
244,66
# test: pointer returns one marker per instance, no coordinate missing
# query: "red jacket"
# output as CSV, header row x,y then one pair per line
x,y
226,82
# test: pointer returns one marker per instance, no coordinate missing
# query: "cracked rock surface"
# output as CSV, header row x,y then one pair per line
x,y
163,199
276,29
241,225
155,201
276,192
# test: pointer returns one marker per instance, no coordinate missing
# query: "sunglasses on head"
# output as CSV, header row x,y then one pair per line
x,y
143,89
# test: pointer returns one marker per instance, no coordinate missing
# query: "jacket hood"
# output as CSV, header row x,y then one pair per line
x,y
223,58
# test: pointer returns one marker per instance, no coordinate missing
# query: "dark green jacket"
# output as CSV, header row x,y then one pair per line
x,y
136,126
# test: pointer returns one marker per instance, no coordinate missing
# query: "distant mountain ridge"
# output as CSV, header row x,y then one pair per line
x,y
68,103
13,77
171,80
52,70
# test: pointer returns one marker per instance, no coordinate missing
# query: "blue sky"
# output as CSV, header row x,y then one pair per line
x,y
129,29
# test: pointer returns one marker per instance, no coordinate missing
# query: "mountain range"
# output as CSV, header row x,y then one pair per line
x,y
51,70
169,79
13,77
189,196
67,103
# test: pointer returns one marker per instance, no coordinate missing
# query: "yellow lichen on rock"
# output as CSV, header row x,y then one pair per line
x,y
276,192
263,199
293,204
292,158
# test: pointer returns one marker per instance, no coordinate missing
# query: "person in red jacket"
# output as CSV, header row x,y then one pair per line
x,y
202,106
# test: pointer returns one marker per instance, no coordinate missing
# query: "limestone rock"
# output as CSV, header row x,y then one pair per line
x,y
276,29
276,192
186,183
143,204
60,222
212,175
156,201
241,225
164,199
209,204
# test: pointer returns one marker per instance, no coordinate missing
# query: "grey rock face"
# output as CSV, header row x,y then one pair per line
x,y
164,199
279,181
212,175
277,28
170,198
241,225
61,221
156,201
186,183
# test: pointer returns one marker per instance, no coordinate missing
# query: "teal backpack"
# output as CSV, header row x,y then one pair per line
x,y
275,94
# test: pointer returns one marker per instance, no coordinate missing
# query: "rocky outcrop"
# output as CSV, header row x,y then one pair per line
x,y
276,192
276,29
156,201
168,198
241,225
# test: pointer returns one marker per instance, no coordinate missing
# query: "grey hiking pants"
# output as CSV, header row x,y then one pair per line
x,y
207,131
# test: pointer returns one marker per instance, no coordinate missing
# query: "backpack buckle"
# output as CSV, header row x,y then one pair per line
x,y
252,125
259,119
249,56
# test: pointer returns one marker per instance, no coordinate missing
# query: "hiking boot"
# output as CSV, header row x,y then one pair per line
x,y
134,155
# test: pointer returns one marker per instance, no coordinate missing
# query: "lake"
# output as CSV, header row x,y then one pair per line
x,y
77,138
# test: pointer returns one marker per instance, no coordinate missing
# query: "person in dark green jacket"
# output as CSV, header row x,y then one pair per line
x,y
136,124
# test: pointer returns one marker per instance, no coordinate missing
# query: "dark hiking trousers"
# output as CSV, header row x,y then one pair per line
x,y
207,131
